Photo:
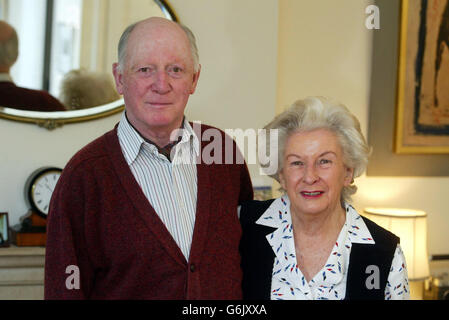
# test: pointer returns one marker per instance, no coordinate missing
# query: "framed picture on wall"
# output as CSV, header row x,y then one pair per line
x,y
422,114
262,193
4,229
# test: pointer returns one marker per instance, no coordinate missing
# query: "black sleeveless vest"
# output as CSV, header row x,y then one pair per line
x,y
258,258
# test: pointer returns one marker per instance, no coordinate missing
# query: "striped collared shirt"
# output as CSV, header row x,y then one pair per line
x,y
170,187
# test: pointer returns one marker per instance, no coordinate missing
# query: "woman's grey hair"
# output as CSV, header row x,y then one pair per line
x,y
321,113
123,42
9,50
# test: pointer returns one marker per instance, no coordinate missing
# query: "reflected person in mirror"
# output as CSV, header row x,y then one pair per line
x,y
310,243
129,212
81,89
13,96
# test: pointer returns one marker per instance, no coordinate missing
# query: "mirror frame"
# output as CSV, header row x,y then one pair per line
x,y
56,119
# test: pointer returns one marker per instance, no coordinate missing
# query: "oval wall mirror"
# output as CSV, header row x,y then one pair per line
x,y
78,39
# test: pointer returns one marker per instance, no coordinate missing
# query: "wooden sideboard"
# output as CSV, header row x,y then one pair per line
x,y
22,273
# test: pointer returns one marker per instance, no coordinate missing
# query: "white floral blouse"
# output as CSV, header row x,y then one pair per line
x,y
288,282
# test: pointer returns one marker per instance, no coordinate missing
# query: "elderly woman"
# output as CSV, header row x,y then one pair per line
x,y
311,243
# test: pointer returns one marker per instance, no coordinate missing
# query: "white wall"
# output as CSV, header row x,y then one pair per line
x,y
237,89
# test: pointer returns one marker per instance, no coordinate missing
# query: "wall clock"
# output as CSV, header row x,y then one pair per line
x,y
39,189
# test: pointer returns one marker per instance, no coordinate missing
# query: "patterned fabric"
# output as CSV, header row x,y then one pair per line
x,y
173,194
288,282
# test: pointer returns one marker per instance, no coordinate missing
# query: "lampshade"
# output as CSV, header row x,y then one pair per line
x,y
411,227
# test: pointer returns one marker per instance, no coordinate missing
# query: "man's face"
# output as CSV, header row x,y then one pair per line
x,y
157,77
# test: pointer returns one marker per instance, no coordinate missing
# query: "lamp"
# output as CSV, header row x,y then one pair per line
x,y
411,227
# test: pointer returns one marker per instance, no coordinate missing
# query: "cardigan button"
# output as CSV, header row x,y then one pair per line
x,y
192,267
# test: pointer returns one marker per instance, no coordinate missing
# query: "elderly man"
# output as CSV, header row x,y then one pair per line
x,y
131,217
11,95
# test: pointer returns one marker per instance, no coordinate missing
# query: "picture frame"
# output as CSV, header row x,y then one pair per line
x,y
4,230
263,193
384,161
422,114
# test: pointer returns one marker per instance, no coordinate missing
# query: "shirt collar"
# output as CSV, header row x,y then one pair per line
x,y
189,136
357,230
274,215
131,141
278,213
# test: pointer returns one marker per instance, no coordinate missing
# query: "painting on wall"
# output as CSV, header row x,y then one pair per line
x,y
422,114
262,193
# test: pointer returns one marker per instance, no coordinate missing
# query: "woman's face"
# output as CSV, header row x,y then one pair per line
x,y
314,173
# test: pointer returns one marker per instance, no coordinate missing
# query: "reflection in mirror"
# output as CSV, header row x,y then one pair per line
x,y
67,47
64,39
81,89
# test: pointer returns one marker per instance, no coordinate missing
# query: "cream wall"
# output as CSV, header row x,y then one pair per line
x,y
103,22
237,89
325,49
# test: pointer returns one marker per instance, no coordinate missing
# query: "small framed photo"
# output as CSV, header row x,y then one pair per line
x,y
4,229
262,193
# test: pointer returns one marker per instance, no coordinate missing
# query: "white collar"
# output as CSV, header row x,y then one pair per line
x,y
278,214
135,141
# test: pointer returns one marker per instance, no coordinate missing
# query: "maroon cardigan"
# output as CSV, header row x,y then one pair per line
x,y
101,222
12,96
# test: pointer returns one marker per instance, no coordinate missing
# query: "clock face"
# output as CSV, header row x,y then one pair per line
x,y
42,189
